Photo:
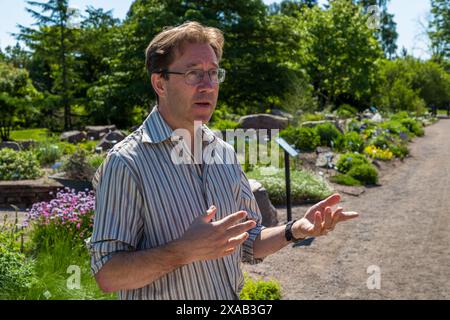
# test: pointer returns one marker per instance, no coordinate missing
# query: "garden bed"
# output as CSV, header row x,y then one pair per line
x,y
24,193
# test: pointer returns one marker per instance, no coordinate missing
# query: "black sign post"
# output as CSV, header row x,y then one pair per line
x,y
288,151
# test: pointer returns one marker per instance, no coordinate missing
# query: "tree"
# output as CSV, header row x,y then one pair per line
x,y
343,53
387,33
53,43
16,96
439,29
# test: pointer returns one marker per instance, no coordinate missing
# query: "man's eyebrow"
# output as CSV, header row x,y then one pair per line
x,y
195,64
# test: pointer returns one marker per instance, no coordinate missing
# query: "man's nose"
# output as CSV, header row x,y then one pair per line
x,y
206,83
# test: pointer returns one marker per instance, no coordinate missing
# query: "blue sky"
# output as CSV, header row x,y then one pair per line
x,y
407,14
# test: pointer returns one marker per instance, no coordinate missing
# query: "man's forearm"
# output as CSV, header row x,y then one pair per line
x,y
269,241
132,270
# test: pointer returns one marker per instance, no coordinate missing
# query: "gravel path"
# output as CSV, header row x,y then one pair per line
x,y
404,230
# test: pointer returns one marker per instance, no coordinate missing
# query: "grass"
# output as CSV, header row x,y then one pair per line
x,y
60,272
30,134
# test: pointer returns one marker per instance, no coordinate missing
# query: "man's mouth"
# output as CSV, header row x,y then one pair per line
x,y
203,104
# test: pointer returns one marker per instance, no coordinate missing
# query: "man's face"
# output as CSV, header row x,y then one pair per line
x,y
188,103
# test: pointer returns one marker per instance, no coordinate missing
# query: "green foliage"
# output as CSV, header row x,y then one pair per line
x,y
343,53
305,186
48,153
16,96
349,160
304,139
345,180
312,117
77,166
260,290
327,133
16,271
349,141
18,165
413,126
346,111
225,124
365,173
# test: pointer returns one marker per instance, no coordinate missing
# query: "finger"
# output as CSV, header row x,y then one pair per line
x,y
232,219
327,218
348,215
317,223
328,202
229,251
335,217
209,214
241,227
238,240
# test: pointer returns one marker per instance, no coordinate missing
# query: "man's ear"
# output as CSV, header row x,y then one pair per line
x,y
158,84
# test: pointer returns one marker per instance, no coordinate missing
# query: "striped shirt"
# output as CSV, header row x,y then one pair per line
x,y
144,200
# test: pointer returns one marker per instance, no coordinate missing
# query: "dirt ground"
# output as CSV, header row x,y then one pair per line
x,y
403,232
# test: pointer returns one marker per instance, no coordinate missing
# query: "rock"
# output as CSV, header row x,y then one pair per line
x,y
73,136
27,144
281,113
330,117
110,139
263,121
377,117
134,128
323,149
96,132
325,160
116,135
268,211
10,144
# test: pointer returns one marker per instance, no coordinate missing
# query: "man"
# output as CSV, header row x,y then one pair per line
x,y
170,230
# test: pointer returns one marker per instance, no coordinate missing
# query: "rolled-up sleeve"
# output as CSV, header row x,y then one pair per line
x,y
118,223
248,203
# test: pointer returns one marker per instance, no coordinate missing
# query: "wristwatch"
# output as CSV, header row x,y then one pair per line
x,y
288,232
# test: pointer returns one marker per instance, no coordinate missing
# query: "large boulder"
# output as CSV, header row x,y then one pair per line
x,y
97,132
268,211
10,144
73,136
110,139
263,121
281,113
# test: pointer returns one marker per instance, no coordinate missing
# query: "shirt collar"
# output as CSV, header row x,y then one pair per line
x,y
156,129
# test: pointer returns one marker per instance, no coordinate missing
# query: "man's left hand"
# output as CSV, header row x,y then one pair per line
x,y
321,219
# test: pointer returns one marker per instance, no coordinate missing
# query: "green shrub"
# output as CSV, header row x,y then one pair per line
x,y
395,127
400,150
365,173
344,180
305,139
77,166
350,141
305,186
18,165
346,111
327,133
88,146
225,124
16,272
311,117
349,160
260,290
96,160
413,126
48,153
67,148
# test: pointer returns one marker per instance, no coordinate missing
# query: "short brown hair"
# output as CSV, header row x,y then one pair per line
x,y
162,50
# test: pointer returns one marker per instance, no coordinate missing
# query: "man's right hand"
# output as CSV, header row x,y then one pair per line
x,y
206,240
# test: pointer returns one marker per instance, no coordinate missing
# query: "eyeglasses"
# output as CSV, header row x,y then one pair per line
x,y
195,76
